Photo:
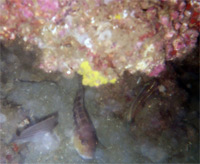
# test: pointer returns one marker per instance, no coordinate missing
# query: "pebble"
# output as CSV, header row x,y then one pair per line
x,y
2,118
161,88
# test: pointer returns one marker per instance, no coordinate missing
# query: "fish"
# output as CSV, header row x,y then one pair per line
x,y
136,106
41,127
85,138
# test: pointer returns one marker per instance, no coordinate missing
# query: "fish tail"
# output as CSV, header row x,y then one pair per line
x,y
80,78
12,139
80,85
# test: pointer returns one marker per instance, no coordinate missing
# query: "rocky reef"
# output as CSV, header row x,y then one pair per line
x,y
101,39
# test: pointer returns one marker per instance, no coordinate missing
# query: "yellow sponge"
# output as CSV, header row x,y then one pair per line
x,y
91,77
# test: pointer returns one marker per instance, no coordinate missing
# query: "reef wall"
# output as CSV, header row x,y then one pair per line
x,y
101,39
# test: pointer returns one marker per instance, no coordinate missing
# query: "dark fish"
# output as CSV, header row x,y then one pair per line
x,y
144,94
43,126
85,139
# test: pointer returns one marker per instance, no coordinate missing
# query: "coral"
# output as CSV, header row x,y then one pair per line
x,y
111,36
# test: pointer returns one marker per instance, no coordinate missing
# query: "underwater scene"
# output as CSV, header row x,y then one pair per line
x,y
99,81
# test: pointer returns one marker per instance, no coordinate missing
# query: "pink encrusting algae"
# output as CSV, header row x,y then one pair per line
x,y
112,36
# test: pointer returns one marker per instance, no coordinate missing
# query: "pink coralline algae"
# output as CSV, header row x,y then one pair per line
x,y
112,36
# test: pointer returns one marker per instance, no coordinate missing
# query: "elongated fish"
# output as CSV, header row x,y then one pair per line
x,y
85,139
38,129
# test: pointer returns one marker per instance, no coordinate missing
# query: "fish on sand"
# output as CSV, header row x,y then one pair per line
x,y
30,133
84,139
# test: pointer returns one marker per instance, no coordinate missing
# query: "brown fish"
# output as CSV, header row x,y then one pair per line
x,y
85,139
44,125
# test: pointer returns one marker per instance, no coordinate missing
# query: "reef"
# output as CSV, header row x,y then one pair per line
x,y
101,39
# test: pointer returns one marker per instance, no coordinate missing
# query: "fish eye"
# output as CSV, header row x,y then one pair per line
x,y
84,142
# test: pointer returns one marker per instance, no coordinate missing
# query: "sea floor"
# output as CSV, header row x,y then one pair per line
x,y
165,130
